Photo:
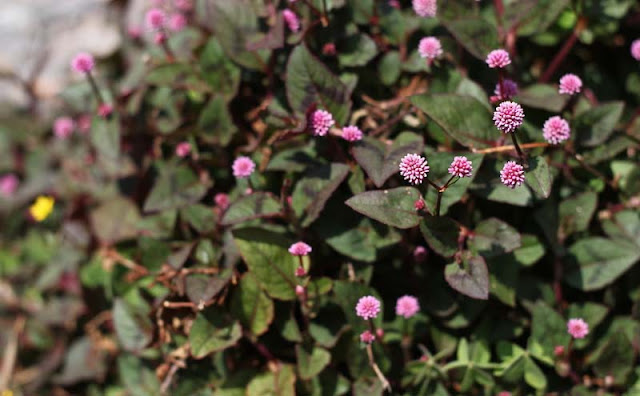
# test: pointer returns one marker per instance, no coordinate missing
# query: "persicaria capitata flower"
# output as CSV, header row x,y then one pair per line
x,y
505,91
82,62
367,337
419,204
414,168
556,130
512,174
183,5
105,110
425,8
635,49
395,4
578,328
159,38
63,127
155,19
321,122
570,84
420,254
329,49
558,350
351,133
300,290
407,306
429,48
508,117
183,149
368,307
300,272
177,22
8,185
292,20
300,249
221,200
243,167
498,58
461,167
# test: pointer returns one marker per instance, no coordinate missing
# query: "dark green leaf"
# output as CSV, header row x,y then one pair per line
x,y
115,220
175,187
494,237
254,206
475,34
312,192
538,177
133,326
542,96
394,207
594,126
251,305
215,123
470,278
212,331
441,233
311,360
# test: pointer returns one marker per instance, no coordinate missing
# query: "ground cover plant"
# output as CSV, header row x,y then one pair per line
x,y
332,197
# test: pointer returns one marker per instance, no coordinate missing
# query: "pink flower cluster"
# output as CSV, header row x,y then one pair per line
x,y
83,63
577,328
556,130
368,307
8,185
292,20
425,8
414,168
155,19
461,167
635,49
512,174
221,200
498,58
430,48
508,117
407,306
183,149
351,133
570,84
505,91
300,249
367,337
321,122
63,127
243,167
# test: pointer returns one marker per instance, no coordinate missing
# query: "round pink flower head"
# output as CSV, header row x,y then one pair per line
x,y
292,20
430,48
159,38
329,49
134,32
321,122
498,58
407,306
300,249
461,167
221,200
367,337
635,49
578,328
183,5
425,8
243,167
155,19
177,22
556,130
63,127
570,84
300,272
82,63
508,117
420,254
395,4
368,307
509,87
300,290
8,185
414,168
105,110
351,133
183,149
512,174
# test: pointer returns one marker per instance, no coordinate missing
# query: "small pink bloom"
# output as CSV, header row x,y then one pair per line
x,y
420,254
510,88
248,191
498,59
63,127
508,117
321,122
570,84
558,350
368,307
300,272
82,63
155,19
134,32
414,168
184,5
425,8
578,328
105,110
635,49
395,4
461,167
407,306
556,130
177,22
429,48
243,167
159,38
300,249
8,185
329,49
221,200
512,174
504,393
380,332
351,133
292,20
300,290
183,149
367,337
419,204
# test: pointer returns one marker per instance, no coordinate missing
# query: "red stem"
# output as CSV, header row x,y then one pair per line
x,y
564,51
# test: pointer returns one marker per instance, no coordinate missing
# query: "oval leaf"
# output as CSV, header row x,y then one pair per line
x,y
394,207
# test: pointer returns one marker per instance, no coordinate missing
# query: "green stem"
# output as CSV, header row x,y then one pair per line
x,y
521,154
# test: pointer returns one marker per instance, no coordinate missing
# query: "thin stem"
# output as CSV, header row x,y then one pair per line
x,y
521,154
94,87
405,340
501,149
564,51
438,202
376,369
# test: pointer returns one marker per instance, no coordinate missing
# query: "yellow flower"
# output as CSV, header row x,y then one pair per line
x,y
6,392
42,207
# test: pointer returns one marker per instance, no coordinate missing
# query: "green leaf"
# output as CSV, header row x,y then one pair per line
x,y
212,331
487,185
542,96
215,123
475,34
616,358
309,82
267,257
624,225
115,220
202,289
542,16
533,375
470,278
313,191
493,237
441,233
389,68
356,50
175,187
600,261
138,379
254,206
252,306
133,326
575,213
279,382
394,207
359,240
538,177
218,71
531,250
105,137
381,160
548,328
311,360
464,118
84,361
593,126
512,361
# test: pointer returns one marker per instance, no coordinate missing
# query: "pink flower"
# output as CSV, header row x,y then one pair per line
x,y
183,5
420,254
570,84
183,149
504,393
329,49
556,130
8,185
512,174
63,127
461,167
135,32
407,306
221,200
351,133
368,307
292,20
430,48
425,8
414,168
321,122
508,117
635,49
578,328
498,59
300,272
177,22
558,350
510,88
105,110
155,19
159,38
82,63
300,249
419,204
395,4
300,290
367,337
243,167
